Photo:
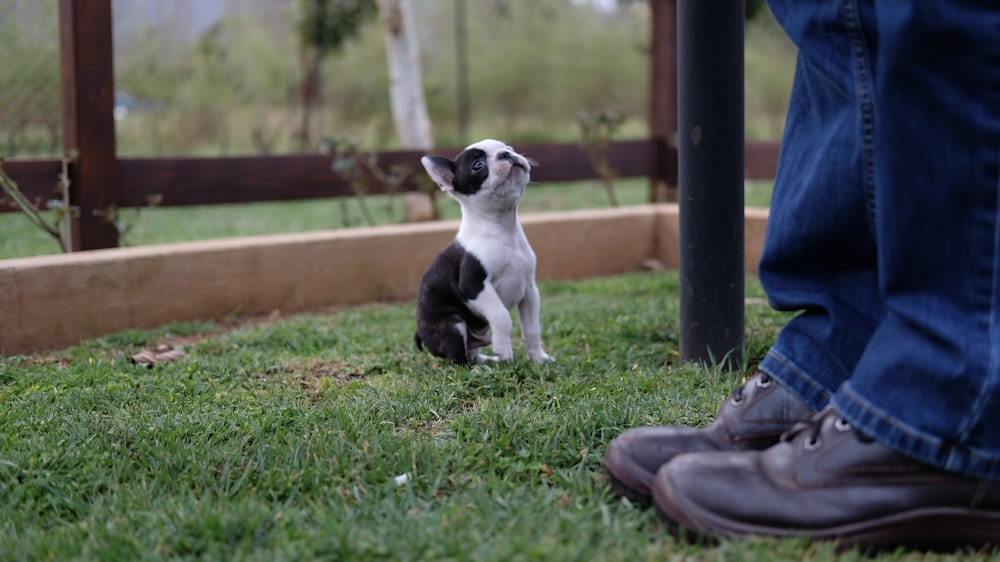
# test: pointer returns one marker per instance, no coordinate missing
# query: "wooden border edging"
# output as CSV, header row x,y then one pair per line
x,y
56,301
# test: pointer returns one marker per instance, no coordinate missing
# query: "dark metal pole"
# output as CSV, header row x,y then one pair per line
x,y
710,173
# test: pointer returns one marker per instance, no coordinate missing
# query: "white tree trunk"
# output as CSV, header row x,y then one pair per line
x,y
406,87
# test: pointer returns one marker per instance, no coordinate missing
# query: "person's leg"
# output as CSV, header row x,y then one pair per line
x,y
819,254
823,189
909,451
928,383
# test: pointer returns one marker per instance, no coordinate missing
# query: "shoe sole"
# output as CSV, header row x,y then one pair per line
x,y
625,478
621,489
941,528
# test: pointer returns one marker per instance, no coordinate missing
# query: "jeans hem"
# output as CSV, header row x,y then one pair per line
x,y
896,434
792,376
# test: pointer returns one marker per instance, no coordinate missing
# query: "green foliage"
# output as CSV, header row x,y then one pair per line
x,y
326,25
29,78
598,129
55,224
769,60
236,88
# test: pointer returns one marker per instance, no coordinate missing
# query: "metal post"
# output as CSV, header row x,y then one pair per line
x,y
710,173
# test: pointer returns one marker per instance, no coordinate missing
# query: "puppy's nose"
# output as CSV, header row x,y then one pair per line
x,y
504,155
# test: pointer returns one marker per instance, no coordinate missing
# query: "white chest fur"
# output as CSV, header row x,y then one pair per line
x,y
505,254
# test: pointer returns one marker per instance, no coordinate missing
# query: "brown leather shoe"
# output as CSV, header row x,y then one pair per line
x,y
753,417
828,481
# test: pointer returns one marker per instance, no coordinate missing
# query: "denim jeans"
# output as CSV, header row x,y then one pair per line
x,y
885,224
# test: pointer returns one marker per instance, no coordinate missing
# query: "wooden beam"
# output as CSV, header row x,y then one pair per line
x,y
663,93
760,160
88,123
37,180
204,181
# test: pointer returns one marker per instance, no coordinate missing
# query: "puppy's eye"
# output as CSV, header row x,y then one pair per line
x,y
478,165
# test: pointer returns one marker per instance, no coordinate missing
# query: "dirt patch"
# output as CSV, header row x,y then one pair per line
x,y
311,375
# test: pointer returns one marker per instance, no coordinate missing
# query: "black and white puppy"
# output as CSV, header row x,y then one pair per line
x,y
470,287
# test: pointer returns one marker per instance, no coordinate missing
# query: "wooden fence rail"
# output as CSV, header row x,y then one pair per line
x,y
246,179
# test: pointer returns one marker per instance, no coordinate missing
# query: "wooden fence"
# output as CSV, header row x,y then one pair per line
x,y
101,180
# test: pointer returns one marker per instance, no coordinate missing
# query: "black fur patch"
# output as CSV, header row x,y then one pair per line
x,y
471,170
453,278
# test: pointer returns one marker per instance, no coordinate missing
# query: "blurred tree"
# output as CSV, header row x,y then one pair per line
x,y
406,84
324,28
30,101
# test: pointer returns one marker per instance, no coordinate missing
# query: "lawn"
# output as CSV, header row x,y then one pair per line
x,y
19,238
287,438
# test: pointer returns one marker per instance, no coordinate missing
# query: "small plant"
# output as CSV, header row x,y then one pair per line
x,y
123,224
347,164
597,129
364,174
58,227
392,180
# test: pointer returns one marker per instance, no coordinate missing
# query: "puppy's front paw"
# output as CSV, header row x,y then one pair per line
x,y
483,358
503,353
540,356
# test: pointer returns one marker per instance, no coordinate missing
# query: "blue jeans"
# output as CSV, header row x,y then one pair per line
x,y
885,224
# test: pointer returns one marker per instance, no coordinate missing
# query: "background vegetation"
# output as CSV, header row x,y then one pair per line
x,y
227,83
191,81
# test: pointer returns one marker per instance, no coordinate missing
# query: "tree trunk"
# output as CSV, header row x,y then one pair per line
x,y
309,93
406,88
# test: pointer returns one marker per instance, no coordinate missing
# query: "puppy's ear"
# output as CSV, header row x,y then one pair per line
x,y
441,170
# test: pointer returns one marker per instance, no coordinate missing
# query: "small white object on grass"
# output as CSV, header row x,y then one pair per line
x,y
402,479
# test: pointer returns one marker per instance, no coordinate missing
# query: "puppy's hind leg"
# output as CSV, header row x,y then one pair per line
x,y
455,346
476,340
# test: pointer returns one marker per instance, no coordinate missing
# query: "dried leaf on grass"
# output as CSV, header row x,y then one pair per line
x,y
162,354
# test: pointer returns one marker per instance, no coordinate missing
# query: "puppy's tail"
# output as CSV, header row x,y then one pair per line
x,y
416,340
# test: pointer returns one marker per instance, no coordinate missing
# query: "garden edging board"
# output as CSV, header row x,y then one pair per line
x,y
50,302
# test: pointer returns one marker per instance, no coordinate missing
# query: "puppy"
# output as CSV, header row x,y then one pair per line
x,y
470,287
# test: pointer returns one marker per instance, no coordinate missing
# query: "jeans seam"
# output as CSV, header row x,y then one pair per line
x,y
866,102
978,408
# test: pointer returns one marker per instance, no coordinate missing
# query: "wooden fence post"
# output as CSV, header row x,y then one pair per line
x,y
663,95
88,120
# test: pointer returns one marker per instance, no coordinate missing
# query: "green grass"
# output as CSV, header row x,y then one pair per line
x,y
281,439
19,238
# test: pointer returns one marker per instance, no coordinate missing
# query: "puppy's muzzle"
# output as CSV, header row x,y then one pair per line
x,y
514,159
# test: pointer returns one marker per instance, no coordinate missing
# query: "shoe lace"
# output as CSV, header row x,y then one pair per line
x,y
814,427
